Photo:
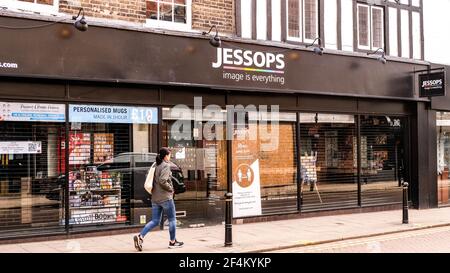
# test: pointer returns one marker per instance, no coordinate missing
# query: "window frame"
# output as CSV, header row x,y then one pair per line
x,y
152,23
301,20
34,7
370,27
382,27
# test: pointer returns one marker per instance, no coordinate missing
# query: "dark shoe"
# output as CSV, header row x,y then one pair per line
x,y
176,244
138,242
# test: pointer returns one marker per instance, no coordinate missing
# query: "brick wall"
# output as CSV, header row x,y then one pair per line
x,y
125,10
206,13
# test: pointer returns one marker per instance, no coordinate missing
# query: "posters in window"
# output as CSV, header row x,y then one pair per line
x,y
246,178
79,148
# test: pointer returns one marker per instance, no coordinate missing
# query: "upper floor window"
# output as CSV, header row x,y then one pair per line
x,y
171,14
302,20
370,27
44,6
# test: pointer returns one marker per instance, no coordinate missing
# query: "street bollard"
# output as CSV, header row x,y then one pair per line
x,y
228,224
405,203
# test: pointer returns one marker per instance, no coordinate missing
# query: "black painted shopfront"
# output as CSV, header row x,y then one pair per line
x,y
350,129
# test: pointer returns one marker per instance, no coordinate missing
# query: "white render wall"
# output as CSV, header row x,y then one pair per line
x,y
437,31
436,27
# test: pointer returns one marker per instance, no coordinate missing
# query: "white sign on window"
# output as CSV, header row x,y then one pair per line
x,y
41,112
20,147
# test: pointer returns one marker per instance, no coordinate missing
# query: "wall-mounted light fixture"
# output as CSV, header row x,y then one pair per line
x,y
382,55
80,24
317,49
215,40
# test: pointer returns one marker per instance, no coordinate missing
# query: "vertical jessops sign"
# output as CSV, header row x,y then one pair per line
x,y
432,84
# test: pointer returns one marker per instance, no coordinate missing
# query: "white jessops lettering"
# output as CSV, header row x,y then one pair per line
x,y
248,58
431,83
262,61
227,56
218,63
239,60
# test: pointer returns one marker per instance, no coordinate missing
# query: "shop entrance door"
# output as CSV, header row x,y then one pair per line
x,y
203,163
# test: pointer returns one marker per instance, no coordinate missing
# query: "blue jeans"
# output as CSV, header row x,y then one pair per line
x,y
157,209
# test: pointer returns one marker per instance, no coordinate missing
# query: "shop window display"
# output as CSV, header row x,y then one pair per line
x,y
443,157
30,188
269,151
200,152
98,185
383,159
328,161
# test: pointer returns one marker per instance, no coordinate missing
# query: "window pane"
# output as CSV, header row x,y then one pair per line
x,y
377,28
203,162
363,25
165,12
443,156
31,193
46,2
180,14
328,161
293,18
31,1
310,19
382,159
180,2
152,10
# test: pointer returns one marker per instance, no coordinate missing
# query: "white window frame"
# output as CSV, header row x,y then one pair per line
x,y
301,21
27,6
382,27
152,23
369,23
370,26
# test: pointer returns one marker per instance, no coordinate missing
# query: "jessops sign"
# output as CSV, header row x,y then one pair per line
x,y
250,66
432,85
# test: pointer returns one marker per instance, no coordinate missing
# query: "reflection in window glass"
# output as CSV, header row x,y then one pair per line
x,y
443,156
167,10
328,161
382,159
202,157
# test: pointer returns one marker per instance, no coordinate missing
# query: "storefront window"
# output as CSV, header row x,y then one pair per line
x,y
108,162
328,161
264,164
199,148
30,188
443,156
383,161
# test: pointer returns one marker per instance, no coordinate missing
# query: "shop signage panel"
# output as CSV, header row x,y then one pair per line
x,y
20,147
113,114
432,85
246,178
193,62
41,112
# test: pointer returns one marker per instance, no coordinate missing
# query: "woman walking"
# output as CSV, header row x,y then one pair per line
x,y
162,200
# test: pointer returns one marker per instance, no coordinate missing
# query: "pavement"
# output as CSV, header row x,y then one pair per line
x,y
254,237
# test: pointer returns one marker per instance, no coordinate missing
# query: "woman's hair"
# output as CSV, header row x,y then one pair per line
x,y
162,153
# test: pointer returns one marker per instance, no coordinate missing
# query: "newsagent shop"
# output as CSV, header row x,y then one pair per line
x,y
82,114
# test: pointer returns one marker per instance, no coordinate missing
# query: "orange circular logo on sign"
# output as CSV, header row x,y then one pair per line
x,y
244,175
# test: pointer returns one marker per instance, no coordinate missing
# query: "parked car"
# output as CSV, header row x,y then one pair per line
x,y
133,168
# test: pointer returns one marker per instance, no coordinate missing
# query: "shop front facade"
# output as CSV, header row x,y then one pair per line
x,y
303,133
